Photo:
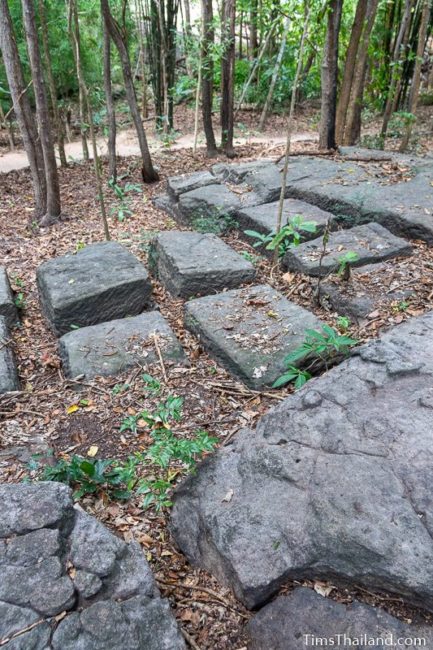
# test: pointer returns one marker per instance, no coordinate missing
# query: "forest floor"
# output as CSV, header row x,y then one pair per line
x,y
40,417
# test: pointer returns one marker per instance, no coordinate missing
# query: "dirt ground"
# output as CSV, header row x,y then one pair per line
x,y
40,416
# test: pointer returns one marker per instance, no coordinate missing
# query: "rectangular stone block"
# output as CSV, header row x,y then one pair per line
x,y
371,243
194,264
250,331
8,370
7,304
101,282
264,218
177,185
214,201
112,347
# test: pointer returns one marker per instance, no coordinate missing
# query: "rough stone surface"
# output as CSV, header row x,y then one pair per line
x,y
364,192
236,172
369,287
335,483
46,547
177,185
250,331
263,218
7,304
193,264
110,348
213,201
101,282
8,370
297,621
371,242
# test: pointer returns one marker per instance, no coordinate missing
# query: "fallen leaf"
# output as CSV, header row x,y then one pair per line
x,y
72,409
228,497
92,451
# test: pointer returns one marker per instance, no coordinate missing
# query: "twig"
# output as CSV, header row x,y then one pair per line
x,y
329,152
23,631
5,344
189,639
84,383
19,99
206,590
161,360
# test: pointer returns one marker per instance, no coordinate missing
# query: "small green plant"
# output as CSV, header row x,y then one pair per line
x,y
290,235
123,209
213,223
254,259
343,323
150,384
19,298
79,246
344,264
119,388
402,306
319,349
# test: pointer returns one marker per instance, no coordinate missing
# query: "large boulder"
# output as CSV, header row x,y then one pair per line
x,y
57,560
7,303
335,483
110,348
303,619
8,370
101,282
196,264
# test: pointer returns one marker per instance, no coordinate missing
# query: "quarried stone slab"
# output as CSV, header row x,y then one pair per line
x,y
303,619
214,201
264,218
250,331
50,556
193,264
101,282
331,485
7,304
236,172
177,185
370,242
370,287
8,369
110,348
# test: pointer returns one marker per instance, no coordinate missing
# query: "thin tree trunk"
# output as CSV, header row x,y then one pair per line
x,y
254,69
5,125
275,73
140,13
111,115
74,26
349,69
254,44
82,83
227,75
416,78
22,108
207,76
290,125
148,172
42,116
330,76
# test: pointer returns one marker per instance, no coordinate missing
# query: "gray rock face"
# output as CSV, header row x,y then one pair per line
x,y
7,304
101,282
371,243
177,185
8,370
263,218
56,558
193,264
335,483
236,172
250,331
365,193
214,201
302,618
110,348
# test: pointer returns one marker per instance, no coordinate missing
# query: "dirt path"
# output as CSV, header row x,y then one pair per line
x,y
127,145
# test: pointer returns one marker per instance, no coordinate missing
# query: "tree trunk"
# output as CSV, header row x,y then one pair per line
x,y
111,115
148,172
52,86
416,78
227,74
4,124
330,76
207,76
42,115
255,67
352,126
349,69
254,43
277,67
74,28
22,108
